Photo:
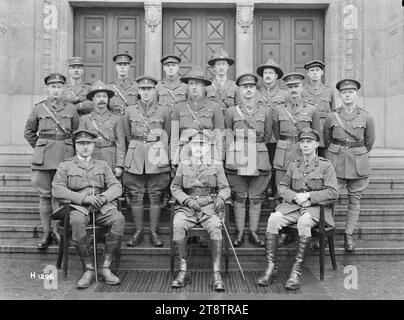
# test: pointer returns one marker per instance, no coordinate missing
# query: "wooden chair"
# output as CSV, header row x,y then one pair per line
x,y
199,231
322,232
63,215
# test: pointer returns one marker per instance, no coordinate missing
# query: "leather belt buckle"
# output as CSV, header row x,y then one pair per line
x,y
347,144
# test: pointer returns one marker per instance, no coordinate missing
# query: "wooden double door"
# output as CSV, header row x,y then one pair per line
x,y
100,33
195,34
291,37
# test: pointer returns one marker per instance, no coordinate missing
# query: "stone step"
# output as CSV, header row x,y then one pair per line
x,y
369,231
147,257
14,195
374,213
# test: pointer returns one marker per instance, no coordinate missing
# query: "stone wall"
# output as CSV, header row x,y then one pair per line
x,y
363,39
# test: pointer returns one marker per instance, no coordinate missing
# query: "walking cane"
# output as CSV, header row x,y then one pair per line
x,y
94,241
234,251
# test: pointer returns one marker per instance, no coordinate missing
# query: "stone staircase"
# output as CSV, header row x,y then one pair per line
x,y
379,236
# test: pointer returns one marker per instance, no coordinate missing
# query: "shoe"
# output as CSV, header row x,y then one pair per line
x,y
55,237
254,239
348,243
239,240
46,241
155,239
137,238
87,277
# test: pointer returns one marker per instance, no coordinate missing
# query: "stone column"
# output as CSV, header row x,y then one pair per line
x,y
153,38
244,37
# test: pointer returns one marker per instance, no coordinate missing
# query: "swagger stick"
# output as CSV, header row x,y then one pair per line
x,y
94,240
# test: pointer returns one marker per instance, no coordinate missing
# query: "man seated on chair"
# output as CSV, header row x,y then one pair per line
x,y
90,185
309,180
201,189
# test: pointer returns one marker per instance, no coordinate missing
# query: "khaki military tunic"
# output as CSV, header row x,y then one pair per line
x,y
75,179
272,97
246,137
189,175
349,155
288,121
318,179
323,98
126,94
76,95
110,145
205,117
147,131
225,94
51,145
170,92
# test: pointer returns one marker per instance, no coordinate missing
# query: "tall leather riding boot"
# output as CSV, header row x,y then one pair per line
x,y
154,221
137,214
83,249
182,277
45,210
112,244
217,282
254,213
239,216
297,269
271,242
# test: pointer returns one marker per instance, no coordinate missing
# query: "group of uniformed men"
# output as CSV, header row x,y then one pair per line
x,y
203,140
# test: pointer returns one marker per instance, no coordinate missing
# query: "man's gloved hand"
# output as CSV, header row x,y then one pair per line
x,y
219,206
306,204
100,200
90,200
193,204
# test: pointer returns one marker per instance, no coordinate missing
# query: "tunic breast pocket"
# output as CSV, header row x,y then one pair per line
x,y
206,118
297,181
137,125
75,180
156,123
285,124
315,181
260,122
66,121
303,121
98,178
359,129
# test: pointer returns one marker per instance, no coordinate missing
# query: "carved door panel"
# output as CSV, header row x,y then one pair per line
x,y
290,37
101,33
195,34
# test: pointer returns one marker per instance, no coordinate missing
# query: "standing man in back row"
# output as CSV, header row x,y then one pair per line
x,y
222,89
76,89
171,90
124,88
349,134
272,95
319,95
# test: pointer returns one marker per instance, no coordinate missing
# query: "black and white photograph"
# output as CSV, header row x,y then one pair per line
x,y
201,156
